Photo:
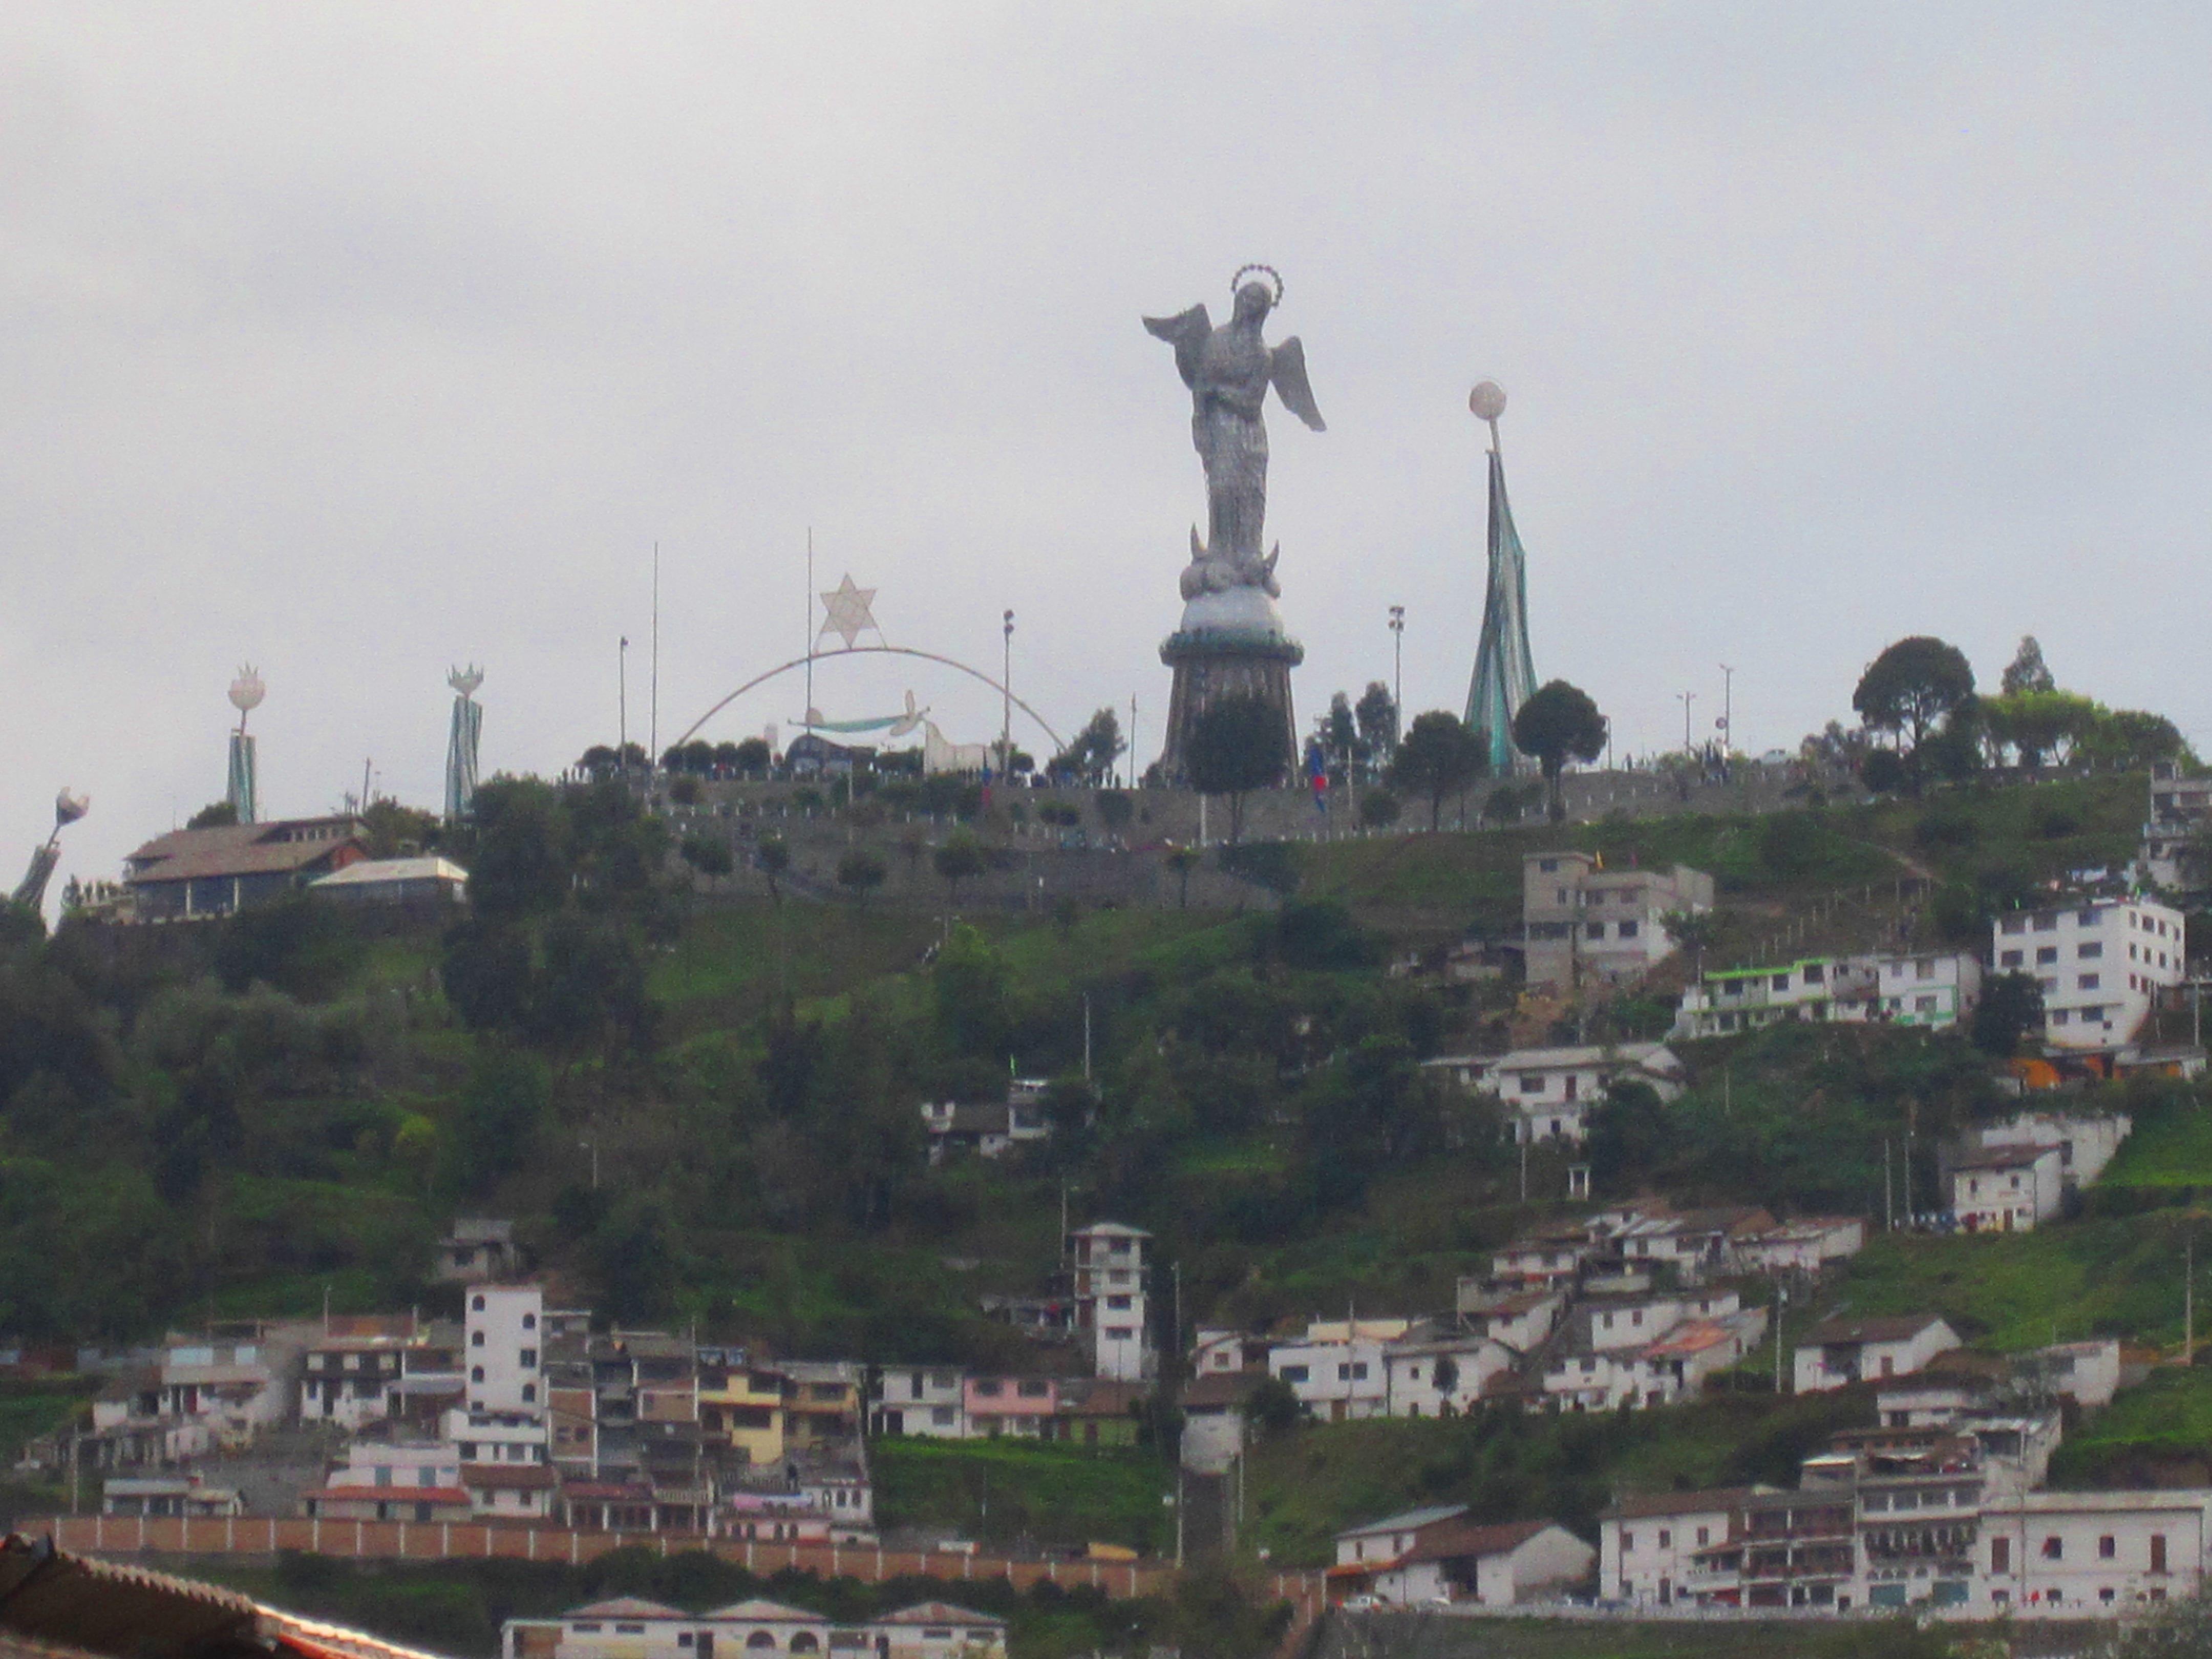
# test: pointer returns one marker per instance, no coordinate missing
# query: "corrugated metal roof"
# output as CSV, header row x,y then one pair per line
x,y
367,872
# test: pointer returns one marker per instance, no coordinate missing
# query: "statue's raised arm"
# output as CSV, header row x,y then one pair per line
x,y
1229,370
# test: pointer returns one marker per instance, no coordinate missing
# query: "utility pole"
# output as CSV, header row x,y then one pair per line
x,y
2189,1298
1397,672
1686,698
1781,1307
1728,717
1888,1205
653,714
622,706
1086,1036
1524,1170
1132,740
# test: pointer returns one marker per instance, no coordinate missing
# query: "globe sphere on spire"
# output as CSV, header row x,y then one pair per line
x,y
1487,400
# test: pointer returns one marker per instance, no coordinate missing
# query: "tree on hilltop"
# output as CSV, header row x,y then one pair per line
x,y
2026,672
1439,758
1236,747
1558,723
1909,688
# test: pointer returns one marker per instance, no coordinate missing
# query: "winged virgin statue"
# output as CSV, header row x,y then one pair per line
x,y
1229,370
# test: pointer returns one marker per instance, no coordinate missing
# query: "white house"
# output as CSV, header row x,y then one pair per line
x,y
1214,1349
1552,1090
1213,1420
503,1347
1518,1318
1803,1246
1934,990
2086,1373
990,1130
1645,1544
1837,1352
2006,1189
1582,921
388,1478
1548,1258
2100,964
2079,1554
1695,1243
1338,1368
1440,1376
629,1627
920,1400
1818,989
2085,1143
1433,1555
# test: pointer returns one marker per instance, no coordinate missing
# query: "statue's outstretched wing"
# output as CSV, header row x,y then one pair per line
x,y
1187,334
1288,371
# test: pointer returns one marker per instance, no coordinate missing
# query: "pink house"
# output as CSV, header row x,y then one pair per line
x,y
1022,1406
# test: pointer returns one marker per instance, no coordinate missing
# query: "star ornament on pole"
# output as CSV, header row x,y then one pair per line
x,y
848,612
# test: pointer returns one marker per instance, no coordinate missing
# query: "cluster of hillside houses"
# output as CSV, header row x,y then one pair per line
x,y
2101,962
520,1412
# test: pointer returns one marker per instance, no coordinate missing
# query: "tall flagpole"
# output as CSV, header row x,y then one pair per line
x,y
652,717
807,714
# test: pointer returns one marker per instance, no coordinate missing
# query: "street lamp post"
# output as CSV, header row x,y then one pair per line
x,y
1728,718
1397,671
1007,701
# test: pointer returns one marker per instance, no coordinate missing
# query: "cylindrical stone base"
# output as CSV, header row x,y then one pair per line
x,y
1210,667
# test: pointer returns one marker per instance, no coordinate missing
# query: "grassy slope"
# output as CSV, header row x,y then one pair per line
x,y
1019,1492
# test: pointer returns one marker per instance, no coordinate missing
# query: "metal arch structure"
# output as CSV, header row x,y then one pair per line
x,y
692,730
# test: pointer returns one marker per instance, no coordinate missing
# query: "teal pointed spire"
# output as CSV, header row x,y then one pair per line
x,y
1504,672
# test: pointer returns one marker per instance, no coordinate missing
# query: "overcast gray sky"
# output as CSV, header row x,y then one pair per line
x,y
359,340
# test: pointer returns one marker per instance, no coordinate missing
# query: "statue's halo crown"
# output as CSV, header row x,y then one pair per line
x,y
1237,281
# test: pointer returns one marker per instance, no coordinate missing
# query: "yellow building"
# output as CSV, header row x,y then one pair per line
x,y
742,1404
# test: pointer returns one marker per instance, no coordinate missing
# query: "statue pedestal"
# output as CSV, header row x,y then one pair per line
x,y
1230,645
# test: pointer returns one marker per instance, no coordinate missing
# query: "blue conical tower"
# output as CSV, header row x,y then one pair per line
x,y
1504,672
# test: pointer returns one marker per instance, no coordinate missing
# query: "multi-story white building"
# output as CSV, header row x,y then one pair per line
x,y
1817,989
1517,1319
2180,808
2079,1554
1647,1545
1581,921
2006,1189
1111,1306
629,1627
920,1399
1935,990
2101,962
504,1348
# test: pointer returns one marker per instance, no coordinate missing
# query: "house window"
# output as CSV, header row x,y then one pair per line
x,y
1923,969
476,1305
1923,1005
1815,972
1596,930
2059,1017
1704,1536
2090,950
529,1358
1627,1542
529,1394
1294,1373
1782,981
2009,959
2046,954
2014,924
2046,924
1666,1539
1627,929
476,1339
476,1373
1531,1084
2107,1547
2088,918
2086,982
2054,1548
